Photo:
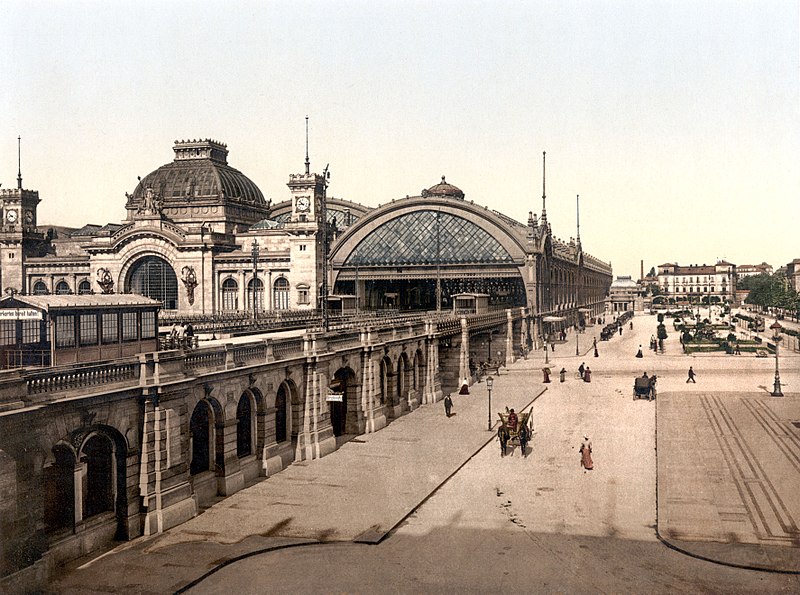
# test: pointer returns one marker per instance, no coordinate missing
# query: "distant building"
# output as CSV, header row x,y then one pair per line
x,y
749,270
624,295
793,274
706,283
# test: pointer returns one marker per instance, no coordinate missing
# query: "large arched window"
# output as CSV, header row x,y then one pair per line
x,y
153,277
255,290
39,288
280,293
244,426
428,237
98,454
200,435
62,288
230,295
84,287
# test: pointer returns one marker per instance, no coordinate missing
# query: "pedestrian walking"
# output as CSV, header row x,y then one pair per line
x,y
582,369
448,405
639,353
620,331
464,387
586,454
691,376
563,374
587,375
502,436
523,440
546,375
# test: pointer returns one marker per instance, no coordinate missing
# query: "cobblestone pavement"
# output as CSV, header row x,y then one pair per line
x,y
519,524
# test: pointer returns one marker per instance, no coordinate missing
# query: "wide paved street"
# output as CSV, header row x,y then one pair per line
x,y
712,468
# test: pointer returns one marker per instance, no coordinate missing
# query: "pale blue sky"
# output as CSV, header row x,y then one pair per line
x,y
677,122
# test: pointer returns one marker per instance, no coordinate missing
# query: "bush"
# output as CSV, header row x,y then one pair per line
x,y
661,331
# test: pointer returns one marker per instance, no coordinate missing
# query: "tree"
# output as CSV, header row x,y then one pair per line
x,y
661,331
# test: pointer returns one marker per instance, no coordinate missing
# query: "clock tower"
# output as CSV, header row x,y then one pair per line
x,y
18,234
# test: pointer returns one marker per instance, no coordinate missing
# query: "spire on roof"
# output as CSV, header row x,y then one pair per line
x,y
308,163
544,194
19,162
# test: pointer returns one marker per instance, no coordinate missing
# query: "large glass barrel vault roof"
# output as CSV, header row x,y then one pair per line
x,y
427,238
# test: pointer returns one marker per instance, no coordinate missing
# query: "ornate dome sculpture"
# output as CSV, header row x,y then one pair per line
x,y
200,174
444,189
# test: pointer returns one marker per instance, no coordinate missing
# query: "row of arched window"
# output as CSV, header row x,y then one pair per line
x,y
255,294
61,288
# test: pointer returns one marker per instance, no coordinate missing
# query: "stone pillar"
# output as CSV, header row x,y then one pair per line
x,y
433,389
463,356
230,478
77,481
166,495
370,389
242,290
510,359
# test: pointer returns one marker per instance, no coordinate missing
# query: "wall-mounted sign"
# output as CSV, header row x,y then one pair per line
x,y
20,314
335,398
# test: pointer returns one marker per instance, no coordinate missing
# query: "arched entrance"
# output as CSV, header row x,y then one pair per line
x,y
153,277
282,400
343,383
417,253
201,434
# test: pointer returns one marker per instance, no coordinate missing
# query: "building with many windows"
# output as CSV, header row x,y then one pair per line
x,y
749,270
704,283
201,240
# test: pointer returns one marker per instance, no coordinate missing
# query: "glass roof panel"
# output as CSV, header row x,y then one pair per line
x,y
412,240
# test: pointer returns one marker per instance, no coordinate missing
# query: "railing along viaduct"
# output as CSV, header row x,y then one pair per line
x,y
110,451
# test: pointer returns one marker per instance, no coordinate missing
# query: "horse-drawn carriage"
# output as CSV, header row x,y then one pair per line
x,y
644,387
513,432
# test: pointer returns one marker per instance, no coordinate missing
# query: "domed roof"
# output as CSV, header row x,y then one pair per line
x,y
443,189
624,282
200,171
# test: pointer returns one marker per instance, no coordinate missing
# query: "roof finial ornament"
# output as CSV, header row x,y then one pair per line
x,y
308,163
544,194
19,162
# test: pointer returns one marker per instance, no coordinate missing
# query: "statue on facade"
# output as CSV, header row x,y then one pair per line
x,y
105,280
189,278
152,203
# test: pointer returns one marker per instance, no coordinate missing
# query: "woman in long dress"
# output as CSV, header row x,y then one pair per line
x,y
586,453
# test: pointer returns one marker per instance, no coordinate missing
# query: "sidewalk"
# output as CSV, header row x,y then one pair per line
x,y
359,492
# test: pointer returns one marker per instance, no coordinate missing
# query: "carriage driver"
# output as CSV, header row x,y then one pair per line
x,y
512,421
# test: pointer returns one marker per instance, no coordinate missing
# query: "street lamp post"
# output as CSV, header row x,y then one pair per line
x,y
489,384
776,390
255,276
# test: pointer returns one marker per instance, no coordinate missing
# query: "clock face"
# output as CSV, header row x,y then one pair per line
x,y
303,203
11,216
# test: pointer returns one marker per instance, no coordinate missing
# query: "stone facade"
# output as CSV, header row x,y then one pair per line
x,y
695,283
